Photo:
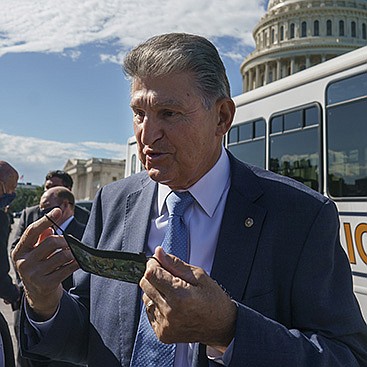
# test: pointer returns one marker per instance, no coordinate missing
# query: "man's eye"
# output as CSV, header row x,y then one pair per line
x,y
139,113
169,113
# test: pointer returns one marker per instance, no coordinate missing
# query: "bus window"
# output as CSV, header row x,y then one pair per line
x,y
133,164
233,135
276,125
295,151
293,120
311,116
246,132
346,137
246,141
347,89
259,127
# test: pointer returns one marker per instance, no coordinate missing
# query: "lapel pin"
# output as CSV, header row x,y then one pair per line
x,y
249,222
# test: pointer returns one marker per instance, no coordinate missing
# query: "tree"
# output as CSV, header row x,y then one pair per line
x,y
26,197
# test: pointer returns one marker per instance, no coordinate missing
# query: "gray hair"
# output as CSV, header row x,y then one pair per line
x,y
181,53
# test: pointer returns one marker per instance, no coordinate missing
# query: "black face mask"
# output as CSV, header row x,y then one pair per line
x,y
6,199
47,210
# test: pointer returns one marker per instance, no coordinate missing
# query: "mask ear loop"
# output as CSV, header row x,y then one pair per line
x,y
56,225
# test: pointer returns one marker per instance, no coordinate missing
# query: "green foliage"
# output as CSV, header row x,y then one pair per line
x,y
26,197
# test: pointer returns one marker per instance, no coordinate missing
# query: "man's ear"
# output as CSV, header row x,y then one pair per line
x,y
226,109
65,203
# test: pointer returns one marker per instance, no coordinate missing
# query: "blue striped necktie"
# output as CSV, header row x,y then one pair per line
x,y
148,350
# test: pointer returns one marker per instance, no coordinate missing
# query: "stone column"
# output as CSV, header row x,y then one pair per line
x,y
308,61
250,80
266,73
257,76
292,66
279,70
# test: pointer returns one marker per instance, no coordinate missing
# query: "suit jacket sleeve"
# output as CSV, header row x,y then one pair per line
x,y
20,228
326,327
28,216
8,290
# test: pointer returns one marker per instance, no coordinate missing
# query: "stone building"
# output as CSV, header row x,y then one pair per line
x,y
91,174
296,34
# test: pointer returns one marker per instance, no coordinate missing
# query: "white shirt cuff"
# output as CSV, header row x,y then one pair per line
x,y
218,357
41,327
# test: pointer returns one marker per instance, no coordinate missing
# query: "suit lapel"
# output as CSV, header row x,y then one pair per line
x,y
71,227
75,228
137,221
240,230
139,206
238,239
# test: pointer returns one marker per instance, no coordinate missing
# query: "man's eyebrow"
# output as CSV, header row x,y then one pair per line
x,y
138,102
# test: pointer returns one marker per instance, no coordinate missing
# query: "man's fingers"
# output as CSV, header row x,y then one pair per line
x,y
46,233
175,266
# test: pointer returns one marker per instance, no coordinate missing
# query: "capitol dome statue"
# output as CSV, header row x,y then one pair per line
x,y
296,34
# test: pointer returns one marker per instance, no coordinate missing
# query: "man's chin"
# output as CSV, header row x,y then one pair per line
x,y
158,176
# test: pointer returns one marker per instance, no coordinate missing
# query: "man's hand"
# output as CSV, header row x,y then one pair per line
x,y
43,261
185,305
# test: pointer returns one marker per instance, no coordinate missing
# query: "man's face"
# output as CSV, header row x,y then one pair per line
x,y
48,201
178,139
9,186
53,182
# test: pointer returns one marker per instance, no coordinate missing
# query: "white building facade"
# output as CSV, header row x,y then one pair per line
x,y
89,175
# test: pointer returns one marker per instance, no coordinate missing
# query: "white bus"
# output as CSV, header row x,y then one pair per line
x,y
311,126
133,164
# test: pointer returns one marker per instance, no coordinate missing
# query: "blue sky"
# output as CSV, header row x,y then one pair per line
x,y
62,92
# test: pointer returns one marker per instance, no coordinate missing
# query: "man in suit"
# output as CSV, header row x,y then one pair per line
x,y
9,291
62,198
31,214
266,282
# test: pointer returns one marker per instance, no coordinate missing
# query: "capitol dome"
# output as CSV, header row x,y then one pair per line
x,y
296,34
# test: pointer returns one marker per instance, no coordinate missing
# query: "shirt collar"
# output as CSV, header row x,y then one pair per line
x,y
208,190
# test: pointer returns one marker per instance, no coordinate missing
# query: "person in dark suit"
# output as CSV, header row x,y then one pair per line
x,y
31,214
9,291
266,283
62,198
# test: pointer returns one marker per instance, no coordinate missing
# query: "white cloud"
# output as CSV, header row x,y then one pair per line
x,y
56,26
34,157
63,27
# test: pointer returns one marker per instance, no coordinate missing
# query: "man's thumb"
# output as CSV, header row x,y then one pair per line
x,y
38,231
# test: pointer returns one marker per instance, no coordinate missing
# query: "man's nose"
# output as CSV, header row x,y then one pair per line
x,y
151,130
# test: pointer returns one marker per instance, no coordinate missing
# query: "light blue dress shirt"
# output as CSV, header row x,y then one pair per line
x,y
203,220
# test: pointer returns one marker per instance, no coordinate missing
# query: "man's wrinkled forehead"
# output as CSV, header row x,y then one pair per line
x,y
152,100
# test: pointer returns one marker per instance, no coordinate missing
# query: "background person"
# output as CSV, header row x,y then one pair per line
x,y
29,215
8,183
9,292
279,291
62,198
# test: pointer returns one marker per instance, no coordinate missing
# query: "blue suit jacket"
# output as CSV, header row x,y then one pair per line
x,y
287,272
